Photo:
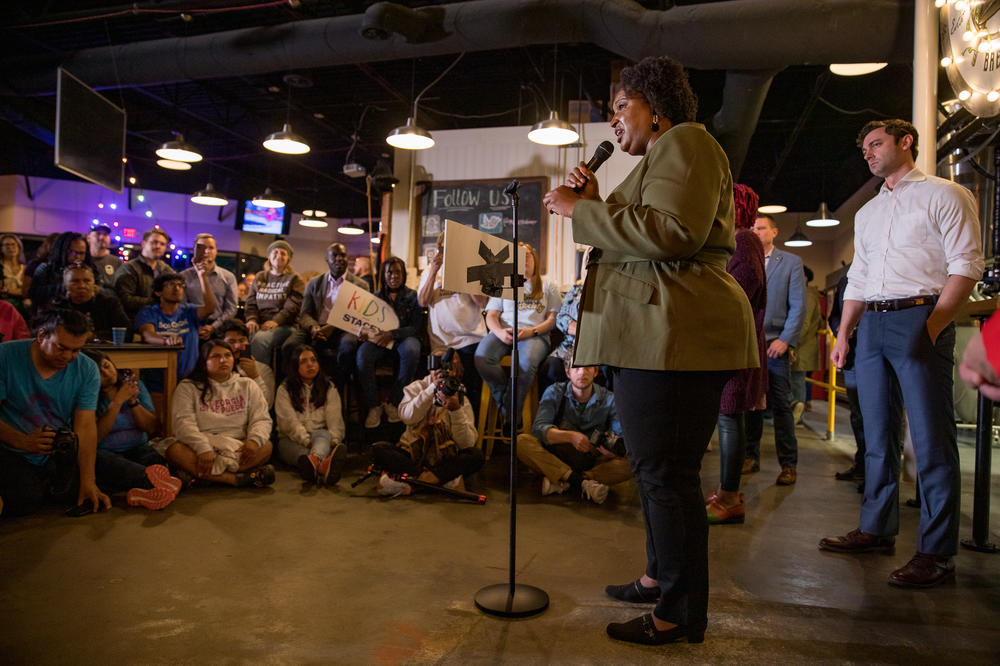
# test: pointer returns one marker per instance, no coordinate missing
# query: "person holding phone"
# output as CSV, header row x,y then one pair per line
x,y
125,420
221,282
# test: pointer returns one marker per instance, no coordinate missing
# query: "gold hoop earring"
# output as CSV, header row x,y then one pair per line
x,y
656,123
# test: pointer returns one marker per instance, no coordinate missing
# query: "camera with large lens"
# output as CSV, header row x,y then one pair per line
x,y
61,463
609,440
449,386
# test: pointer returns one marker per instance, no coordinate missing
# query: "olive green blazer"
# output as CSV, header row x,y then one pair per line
x,y
657,295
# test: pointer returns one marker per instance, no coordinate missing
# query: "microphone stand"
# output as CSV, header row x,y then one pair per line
x,y
513,599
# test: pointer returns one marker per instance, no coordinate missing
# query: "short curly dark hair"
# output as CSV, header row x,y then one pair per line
x,y
895,127
664,84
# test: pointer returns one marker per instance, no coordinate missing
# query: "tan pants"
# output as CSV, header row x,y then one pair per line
x,y
531,452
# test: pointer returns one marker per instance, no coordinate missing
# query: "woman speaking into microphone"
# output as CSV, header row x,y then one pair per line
x,y
659,307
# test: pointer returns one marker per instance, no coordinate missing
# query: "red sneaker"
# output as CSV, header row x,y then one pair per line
x,y
160,477
153,499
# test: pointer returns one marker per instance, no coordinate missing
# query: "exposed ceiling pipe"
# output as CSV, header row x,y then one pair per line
x,y
733,125
744,34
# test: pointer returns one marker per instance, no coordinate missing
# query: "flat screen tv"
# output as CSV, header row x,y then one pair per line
x,y
90,133
263,219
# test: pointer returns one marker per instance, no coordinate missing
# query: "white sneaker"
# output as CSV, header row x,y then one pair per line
x,y
455,484
595,491
549,488
390,487
374,417
391,413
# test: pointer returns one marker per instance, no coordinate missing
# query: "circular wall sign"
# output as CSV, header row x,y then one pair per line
x,y
970,48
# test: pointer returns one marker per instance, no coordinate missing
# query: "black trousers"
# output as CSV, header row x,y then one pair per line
x,y
26,487
396,460
667,419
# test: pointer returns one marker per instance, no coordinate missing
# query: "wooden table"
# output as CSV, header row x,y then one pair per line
x,y
139,355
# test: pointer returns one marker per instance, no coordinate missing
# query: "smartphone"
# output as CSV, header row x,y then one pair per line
x,y
80,510
124,375
199,253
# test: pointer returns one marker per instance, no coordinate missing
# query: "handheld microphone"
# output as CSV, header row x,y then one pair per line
x,y
604,150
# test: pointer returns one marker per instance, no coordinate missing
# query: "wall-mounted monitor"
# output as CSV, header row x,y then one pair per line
x,y
263,219
90,133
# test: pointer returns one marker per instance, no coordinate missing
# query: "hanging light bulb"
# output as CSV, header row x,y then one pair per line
x,y
286,141
824,219
209,197
268,200
178,150
410,137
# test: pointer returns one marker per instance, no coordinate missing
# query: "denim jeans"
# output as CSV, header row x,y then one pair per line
x,y
530,354
667,419
779,396
369,354
732,449
118,471
263,343
289,451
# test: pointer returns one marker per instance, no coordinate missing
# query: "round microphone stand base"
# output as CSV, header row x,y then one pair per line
x,y
505,600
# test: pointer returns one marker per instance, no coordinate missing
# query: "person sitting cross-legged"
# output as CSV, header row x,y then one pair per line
x,y
125,420
439,443
221,427
310,425
575,441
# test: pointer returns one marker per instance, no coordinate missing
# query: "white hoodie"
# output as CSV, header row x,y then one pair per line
x,y
297,426
235,408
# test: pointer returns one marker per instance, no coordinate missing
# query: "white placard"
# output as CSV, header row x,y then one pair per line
x,y
357,309
478,263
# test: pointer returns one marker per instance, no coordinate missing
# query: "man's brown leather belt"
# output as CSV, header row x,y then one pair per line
x,y
899,303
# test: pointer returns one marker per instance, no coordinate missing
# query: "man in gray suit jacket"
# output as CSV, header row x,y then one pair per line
x,y
335,348
786,298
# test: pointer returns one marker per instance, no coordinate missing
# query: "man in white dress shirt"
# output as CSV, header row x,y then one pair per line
x,y
917,256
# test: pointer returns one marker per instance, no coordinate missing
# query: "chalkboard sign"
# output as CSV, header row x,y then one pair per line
x,y
482,205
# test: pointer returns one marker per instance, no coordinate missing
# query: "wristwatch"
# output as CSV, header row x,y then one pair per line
x,y
132,403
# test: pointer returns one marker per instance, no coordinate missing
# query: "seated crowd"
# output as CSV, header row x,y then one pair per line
x,y
275,376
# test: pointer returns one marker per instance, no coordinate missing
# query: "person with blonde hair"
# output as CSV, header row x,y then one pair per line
x,y
536,317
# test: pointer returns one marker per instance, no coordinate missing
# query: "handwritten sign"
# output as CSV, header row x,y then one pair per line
x,y
357,310
478,263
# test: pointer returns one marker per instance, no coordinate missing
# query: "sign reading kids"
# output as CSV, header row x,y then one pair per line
x,y
356,310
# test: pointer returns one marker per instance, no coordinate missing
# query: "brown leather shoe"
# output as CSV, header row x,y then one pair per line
x,y
923,571
787,477
750,466
857,541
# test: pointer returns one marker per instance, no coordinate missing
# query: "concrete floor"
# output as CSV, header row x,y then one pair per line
x,y
296,575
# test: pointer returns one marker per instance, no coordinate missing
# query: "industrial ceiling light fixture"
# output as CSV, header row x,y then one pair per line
x,y
856,68
553,131
178,150
824,219
349,229
286,141
411,136
772,209
268,199
209,196
798,239
314,218
174,165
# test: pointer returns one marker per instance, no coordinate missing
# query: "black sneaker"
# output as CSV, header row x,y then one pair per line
x,y
258,476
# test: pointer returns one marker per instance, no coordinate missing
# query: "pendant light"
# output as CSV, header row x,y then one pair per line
x,y
209,196
349,229
824,219
798,239
286,141
178,150
856,68
411,136
772,209
314,219
174,165
553,131
268,200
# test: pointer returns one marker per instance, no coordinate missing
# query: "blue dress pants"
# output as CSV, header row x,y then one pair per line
x,y
895,352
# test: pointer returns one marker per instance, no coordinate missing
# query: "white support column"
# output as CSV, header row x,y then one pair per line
x,y
925,63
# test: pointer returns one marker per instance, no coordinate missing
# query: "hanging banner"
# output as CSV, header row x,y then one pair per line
x,y
478,263
357,310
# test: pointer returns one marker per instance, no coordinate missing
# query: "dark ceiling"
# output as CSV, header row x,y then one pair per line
x,y
802,151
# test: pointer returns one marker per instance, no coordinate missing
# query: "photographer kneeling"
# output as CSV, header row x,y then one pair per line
x,y
439,443
576,441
